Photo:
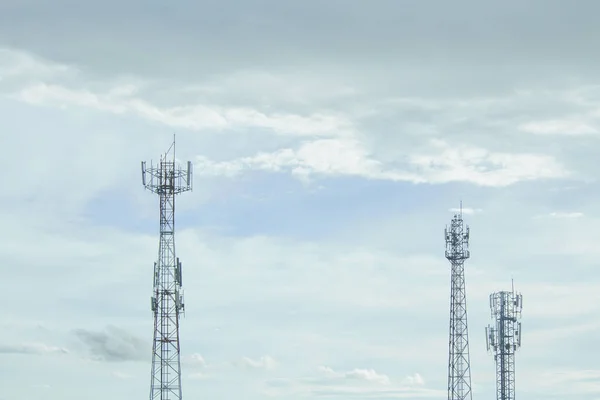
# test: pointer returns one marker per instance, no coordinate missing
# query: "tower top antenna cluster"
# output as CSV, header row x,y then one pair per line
x,y
506,309
457,238
167,176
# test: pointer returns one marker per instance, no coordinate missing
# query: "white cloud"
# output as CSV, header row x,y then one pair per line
x,y
119,100
558,127
466,210
555,336
42,386
16,64
32,348
479,166
568,382
195,360
121,375
199,376
368,375
264,362
338,157
566,214
357,382
415,379
326,157
562,215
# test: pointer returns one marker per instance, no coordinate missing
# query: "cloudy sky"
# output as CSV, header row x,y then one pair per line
x,y
331,139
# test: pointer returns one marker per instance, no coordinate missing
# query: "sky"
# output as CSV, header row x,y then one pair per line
x,y
332,142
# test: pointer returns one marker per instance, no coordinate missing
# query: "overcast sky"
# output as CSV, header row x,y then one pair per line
x,y
331,141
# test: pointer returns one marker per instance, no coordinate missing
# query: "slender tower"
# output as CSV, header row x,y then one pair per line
x,y
459,370
166,179
504,338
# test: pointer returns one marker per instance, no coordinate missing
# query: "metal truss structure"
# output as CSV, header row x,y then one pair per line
x,y
459,369
166,180
504,338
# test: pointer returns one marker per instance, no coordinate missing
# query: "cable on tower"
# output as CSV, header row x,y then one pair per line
x,y
457,251
504,338
166,179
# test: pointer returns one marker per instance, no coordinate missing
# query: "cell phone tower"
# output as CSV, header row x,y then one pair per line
x,y
167,179
459,363
504,338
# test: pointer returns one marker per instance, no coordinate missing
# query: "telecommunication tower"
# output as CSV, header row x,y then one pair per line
x,y
504,338
166,179
459,369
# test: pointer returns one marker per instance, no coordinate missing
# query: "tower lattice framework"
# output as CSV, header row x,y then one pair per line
x,y
167,179
459,363
504,338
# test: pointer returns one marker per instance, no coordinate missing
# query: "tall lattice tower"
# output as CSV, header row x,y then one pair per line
x,y
459,370
166,179
504,338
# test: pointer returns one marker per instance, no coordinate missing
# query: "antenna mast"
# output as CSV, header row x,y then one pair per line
x,y
459,369
166,179
504,338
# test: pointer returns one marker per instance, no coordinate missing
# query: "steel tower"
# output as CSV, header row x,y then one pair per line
x,y
459,370
166,179
504,338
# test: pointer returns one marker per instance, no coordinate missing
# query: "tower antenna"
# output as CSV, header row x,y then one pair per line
x,y
167,179
459,363
504,338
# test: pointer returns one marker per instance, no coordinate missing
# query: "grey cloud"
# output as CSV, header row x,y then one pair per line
x,y
114,344
465,44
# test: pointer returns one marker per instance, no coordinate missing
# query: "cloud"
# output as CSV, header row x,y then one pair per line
x,y
121,375
558,127
569,381
368,375
120,100
566,214
339,157
281,259
114,344
415,379
466,210
574,375
42,386
199,376
32,348
194,360
554,336
562,215
359,382
17,64
326,157
264,362
482,167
